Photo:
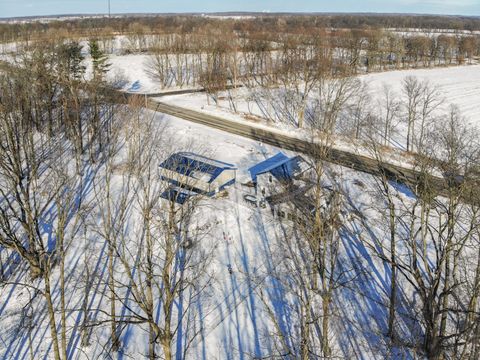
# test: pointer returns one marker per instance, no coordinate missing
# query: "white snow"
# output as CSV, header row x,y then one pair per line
x,y
131,69
459,85
234,320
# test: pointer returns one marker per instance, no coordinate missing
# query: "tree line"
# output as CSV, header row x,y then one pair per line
x,y
261,23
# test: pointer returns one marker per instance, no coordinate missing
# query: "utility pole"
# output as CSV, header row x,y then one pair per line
x,y
109,13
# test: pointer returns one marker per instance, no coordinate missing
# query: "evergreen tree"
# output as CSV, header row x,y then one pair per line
x,y
70,60
99,61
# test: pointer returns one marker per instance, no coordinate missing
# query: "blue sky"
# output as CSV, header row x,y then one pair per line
x,y
10,8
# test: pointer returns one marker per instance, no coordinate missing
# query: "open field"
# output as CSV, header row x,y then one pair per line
x,y
459,86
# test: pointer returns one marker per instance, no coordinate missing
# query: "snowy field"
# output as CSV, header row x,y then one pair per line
x,y
130,69
433,32
458,85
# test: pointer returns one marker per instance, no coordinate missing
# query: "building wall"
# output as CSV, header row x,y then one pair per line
x,y
184,180
226,177
267,185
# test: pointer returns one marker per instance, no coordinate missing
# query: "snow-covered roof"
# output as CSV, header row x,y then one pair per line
x,y
267,165
280,166
196,166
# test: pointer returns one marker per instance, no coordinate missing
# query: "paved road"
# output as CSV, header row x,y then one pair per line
x,y
282,140
184,91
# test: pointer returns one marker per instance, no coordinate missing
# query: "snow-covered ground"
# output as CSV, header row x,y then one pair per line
x,y
235,323
433,32
458,85
131,70
130,73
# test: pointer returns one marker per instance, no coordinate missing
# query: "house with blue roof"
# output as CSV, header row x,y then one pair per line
x,y
282,181
278,168
197,173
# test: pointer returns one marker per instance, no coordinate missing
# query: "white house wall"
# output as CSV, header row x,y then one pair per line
x,y
186,180
225,177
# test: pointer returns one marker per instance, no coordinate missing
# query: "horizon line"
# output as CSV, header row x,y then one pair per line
x,y
264,13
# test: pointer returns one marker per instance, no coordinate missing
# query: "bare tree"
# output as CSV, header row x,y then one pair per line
x,y
113,207
214,76
442,225
389,113
386,252
430,101
36,183
153,233
159,66
359,111
332,99
308,270
412,89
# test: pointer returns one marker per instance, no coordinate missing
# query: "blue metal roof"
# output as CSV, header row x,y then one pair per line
x,y
187,163
288,169
270,165
177,194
